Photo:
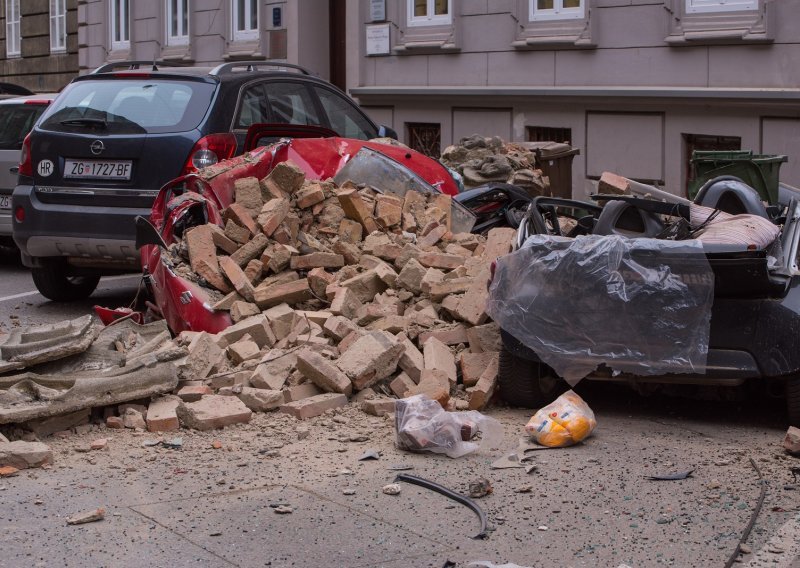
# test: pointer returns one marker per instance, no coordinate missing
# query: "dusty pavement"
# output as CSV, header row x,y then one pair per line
x,y
588,505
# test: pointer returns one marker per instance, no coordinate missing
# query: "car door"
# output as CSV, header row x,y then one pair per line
x,y
343,116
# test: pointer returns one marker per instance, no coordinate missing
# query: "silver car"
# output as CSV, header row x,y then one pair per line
x,y
17,117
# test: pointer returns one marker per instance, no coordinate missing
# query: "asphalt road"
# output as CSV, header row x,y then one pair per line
x,y
590,505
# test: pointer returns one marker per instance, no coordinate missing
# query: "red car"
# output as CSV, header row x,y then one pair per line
x,y
198,199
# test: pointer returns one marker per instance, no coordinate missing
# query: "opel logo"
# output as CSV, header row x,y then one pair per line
x,y
97,147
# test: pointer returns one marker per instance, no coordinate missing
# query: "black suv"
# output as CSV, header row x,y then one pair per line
x,y
111,139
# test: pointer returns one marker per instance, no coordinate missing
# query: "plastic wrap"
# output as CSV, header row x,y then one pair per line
x,y
640,306
566,421
424,426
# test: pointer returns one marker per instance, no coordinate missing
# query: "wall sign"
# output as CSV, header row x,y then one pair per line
x,y
377,10
378,40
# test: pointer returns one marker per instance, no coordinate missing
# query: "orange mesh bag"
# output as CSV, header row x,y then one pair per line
x,y
564,422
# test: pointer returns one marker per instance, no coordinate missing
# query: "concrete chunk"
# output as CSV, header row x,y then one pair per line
x,y
212,412
31,345
23,455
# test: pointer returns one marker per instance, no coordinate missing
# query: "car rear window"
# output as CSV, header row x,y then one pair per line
x,y
15,122
122,106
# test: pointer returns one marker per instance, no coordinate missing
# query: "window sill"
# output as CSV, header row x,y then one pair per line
x,y
238,50
428,46
742,36
553,41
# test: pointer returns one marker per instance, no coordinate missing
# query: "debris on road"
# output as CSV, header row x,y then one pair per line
x,y
791,442
391,489
566,421
480,488
32,345
87,517
671,476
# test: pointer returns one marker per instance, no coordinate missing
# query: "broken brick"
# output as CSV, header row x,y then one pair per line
x,y
323,373
306,390
452,336
356,208
237,278
473,365
193,393
221,240
314,406
371,358
482,392
236,233
309,195
250,250
272,215
284,179
247,193
162,414
401,384
212,412
241,216
438,356
350,231
259,400
317,260
440,260
378,406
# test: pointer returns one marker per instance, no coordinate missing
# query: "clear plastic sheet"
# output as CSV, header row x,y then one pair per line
x,y
424,426
640,306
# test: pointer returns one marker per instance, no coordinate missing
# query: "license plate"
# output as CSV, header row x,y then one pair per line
x,y
98,169
5,202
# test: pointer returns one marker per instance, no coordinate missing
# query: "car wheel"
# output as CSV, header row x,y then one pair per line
x,y
527,383
793,400
55,283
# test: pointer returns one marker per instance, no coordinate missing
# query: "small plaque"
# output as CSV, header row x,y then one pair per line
x,y
378,40
377,10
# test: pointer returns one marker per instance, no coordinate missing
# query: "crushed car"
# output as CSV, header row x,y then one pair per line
x,y
650,287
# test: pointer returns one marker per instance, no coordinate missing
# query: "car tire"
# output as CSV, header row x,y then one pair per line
x,y
527,383
793,400
55,283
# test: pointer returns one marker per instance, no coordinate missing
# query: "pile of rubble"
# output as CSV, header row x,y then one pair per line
x,y
482,160
336,294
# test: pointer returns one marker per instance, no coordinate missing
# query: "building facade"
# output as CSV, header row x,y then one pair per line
x,y
634,84
39,43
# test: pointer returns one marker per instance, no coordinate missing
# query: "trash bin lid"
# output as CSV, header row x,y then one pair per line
x,y
547,150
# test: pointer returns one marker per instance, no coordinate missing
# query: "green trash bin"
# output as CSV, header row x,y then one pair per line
x,y
759,171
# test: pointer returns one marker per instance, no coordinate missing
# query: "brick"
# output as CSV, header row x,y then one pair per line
x,y
237,278
272,215
257,327
323,373
247,193
438,356
349,340
299,392
243,350
414,203
193,393
204,356
48,426
210,272
291,293
473,365
434,384
319,280
241,216
791,442
433,237
339,327
236,233
453,248
277,258
23,455
345,303
274,369
314,406
401,384
412,362
452,336
201,247
221,240
371,312
388,210
356,208
284,179
499,242
482,392
162,414
242,310
282,319
254,270
378,406
212,412
484,338
317,317
440,260
439,290
316,260
472,307
350,231
445,203
469,241
389,252
611,183
259,400
133,419
365,285
390,324
411,276
115,423
309,195
372,358
250,250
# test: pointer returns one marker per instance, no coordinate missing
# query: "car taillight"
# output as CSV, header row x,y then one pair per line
x,y
25,160
209,150
42,102
19,214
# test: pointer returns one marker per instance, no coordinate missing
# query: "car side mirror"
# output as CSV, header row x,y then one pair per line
x,y
386,132
147,234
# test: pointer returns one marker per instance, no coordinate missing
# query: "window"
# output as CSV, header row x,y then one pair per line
x,y
695,6
344,118
17,121
425,138
177,22
245,20
549,134
253,109
429,12
12,28
556,9
120,26
291,103
58,26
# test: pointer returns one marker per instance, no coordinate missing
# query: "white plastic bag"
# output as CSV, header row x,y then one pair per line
x,y
423,426
564,422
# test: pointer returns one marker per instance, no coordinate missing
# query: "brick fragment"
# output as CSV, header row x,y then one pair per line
x,y
444,202
473,365
317,260
257,327
282,319
345,303
439,290
309,195
23,455
434,384
299,392
291,292
791,442
388,210
193,393
482,393
210,272
243,350
438,356
323,373
274,370
277,258
499,242
221,240
378,406
162,414
253,270
259,400
401,384
433,237
314,406
452,336
440,260
472,307
236,233
201,247
484,338
237,278
339,327
250,250
319,279
611,183
272,215
356,208
247,193
212,412
284,179
241,216
350,231
115,423
365,285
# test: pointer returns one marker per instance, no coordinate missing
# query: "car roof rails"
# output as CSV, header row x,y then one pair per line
x,y
250,66
134,65
12,89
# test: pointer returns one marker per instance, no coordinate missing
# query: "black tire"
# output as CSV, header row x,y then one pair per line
x,y
55,283
793,400
527,383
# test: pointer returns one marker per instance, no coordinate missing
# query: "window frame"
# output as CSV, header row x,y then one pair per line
x,y
316,91
558,12
721,6
248,34
183,21
12,25
431,19
58,19
123,25
732,25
